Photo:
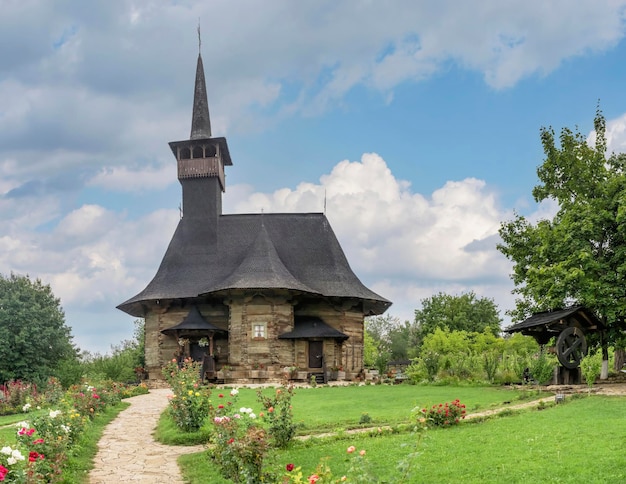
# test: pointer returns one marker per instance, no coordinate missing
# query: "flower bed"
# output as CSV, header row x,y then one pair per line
x,y
42,444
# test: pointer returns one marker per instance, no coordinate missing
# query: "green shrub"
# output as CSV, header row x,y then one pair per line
x,y
69,371
239,442
279,415
190,403
491,361
444,414
590,366
542,367
85,400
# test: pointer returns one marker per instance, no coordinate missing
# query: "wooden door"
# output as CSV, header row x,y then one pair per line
x,y
316,350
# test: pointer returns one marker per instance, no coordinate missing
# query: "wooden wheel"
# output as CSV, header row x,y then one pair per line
x,y
571,346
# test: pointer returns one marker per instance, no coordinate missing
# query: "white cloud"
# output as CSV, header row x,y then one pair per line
x,y
390,230
402,243
126,179
616,134
89,82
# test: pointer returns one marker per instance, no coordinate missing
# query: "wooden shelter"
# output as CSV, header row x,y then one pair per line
x,y
570,327
276,289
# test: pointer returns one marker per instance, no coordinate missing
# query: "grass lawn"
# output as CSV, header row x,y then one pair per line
x,y
579,441
325,409
18,417
340,407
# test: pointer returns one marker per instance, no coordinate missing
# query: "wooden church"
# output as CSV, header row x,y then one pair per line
x,y
255,297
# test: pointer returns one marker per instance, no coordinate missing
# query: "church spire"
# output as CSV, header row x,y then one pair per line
x,y
200,120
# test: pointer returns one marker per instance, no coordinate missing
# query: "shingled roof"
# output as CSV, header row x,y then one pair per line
x,y
542,326
194,321
312,327
298,252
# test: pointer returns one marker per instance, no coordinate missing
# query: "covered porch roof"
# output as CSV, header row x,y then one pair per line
x,y
307,327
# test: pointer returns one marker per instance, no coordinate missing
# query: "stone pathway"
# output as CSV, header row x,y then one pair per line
x,y
127,451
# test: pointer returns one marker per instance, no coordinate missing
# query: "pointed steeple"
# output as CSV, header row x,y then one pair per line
x,y
200,120
201,160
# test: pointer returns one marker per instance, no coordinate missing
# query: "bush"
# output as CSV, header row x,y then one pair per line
x,y
190,404
542,367
69,371
85,400
279,415
239,443
591,366
491,361
15,394
444,414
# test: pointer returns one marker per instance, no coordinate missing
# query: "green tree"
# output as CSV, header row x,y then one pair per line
x,y
34,338
121,362
579,256
387,339
466,312
369,350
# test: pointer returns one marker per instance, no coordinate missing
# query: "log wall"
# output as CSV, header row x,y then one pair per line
x,y
244,352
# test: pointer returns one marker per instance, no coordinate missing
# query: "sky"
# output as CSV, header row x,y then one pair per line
x,y
413,124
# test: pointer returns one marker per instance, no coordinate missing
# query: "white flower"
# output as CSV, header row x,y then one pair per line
x,y
55,413
243,410
89,388
22,425
65,428
6,450
16,454
11,461
252,416
26,407
234,392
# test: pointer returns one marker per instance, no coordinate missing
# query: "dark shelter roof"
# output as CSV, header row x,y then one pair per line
x,y
194,321
550,323
297,252
312,327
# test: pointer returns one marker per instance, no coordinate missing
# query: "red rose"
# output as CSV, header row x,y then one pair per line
x,y
289,467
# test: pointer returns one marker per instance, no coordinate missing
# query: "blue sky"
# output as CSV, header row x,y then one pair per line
x,y
418,122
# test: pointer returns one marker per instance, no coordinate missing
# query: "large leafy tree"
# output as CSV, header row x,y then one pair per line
x,y
465,312
578,257
33,336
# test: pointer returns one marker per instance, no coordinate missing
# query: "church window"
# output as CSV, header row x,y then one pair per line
x,y
259,331
185,153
